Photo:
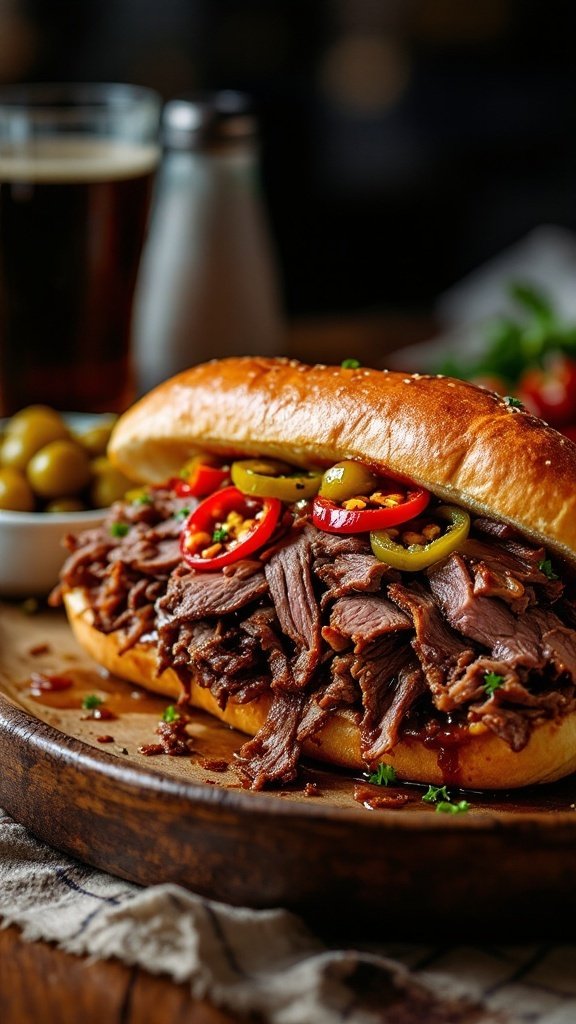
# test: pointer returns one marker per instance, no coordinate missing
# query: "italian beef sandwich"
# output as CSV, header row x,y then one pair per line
x,y
353,565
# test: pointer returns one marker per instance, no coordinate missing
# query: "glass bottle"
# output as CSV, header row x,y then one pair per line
x,y
208,284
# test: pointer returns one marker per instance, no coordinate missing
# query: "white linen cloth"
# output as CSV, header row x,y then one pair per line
x,y
268,962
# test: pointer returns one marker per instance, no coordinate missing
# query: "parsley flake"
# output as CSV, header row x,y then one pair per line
x,y
91,701
220,535
492,682
350,364
513,403
435,793
384,774
142,499
440,796
183,513
170,714
447,807
545,566
119,529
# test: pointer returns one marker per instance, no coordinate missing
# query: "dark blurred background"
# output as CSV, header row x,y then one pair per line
x,y
404,142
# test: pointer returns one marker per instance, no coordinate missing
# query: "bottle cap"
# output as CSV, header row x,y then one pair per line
x,y
199,122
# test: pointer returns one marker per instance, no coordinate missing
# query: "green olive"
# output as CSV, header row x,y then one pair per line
x,y
95,440
345,480
60,468
15,491
22,418
108,483
65,505
26,434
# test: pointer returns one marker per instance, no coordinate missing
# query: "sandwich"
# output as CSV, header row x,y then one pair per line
x,y
351,565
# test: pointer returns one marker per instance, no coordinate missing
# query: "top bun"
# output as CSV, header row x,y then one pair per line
x,y
464,443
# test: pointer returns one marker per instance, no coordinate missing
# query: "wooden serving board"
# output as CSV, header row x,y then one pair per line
x,y
506,869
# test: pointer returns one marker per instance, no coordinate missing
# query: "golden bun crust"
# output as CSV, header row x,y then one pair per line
x,y
484,760
463,442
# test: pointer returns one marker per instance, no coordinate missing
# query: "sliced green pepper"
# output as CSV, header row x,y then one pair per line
x,y
419,556
270,478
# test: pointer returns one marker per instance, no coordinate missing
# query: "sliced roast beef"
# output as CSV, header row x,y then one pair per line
x,y
514,727
342,690
493,528
388,690
263,626
352,573
157,559
197,595
487,621
87,562
491,582
289,578
471,683
515,561
327,546
227,653
361,619
441,652
272,754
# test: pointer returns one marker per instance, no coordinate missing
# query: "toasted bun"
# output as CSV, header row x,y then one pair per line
x,y
462,442
483,761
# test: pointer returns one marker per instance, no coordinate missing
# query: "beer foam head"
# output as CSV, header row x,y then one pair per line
x,y
75,159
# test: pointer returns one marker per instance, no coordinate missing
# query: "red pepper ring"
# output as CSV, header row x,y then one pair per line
x,y
332,518
203,480
212,513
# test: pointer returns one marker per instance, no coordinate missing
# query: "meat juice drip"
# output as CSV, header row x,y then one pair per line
x,y
66,692
447,741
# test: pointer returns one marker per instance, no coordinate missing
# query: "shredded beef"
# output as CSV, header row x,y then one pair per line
x,y
351,573
441,652
388,690
488,622
289,578
362,619
197,595
513,564
273,754
317,624
342,689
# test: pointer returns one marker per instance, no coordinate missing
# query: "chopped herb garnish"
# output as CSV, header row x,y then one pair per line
x,y
514,403
220,535
350,364
446,807
384,774
440,796
119,529
492,682
435,793
91,701
170,714
183,513
545,566
142,499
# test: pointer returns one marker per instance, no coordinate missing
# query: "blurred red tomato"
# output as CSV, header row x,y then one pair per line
x,y
550,392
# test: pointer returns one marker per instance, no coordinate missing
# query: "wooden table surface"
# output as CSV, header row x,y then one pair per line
x,y
39,982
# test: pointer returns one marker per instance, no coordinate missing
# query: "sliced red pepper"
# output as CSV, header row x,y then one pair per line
x,y
333,518
203,479
210,517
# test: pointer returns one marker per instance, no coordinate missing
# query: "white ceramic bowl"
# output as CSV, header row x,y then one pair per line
x,y
31,543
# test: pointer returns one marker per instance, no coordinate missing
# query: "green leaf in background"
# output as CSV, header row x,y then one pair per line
x,y
514,343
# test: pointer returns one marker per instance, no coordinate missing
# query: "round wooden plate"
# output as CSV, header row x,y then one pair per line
x,y
503,870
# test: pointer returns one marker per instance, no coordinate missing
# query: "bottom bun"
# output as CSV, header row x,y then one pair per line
x,y
481,761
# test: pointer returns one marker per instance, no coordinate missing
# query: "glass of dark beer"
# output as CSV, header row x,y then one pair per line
x,y
77,164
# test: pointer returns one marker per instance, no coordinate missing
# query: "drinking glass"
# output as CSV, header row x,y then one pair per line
x,y
77,164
